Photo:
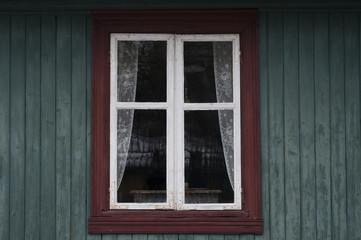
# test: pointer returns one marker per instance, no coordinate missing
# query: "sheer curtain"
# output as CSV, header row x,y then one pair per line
x,y
222,57
127,83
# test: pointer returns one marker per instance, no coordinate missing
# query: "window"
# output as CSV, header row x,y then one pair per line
x,y
175,125
174,122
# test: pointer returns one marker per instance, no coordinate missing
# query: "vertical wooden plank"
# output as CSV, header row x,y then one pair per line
x,y
140,236
4,126
337,119
322,127
32,149
78,128
175,236
48,184
200,237
155,237
307,125
291,121
263,79
17,128
124,237
352,112
216,237
109,237
276,123
231,237
63,126
246,237
186,236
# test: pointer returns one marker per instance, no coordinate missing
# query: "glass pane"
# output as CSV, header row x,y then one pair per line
x,y
141,156
209,156
142,71
208,74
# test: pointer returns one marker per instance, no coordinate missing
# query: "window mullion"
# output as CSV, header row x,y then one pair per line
x,y
179,123
171,183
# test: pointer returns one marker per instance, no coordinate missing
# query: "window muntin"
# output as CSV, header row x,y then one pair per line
x,y
179,195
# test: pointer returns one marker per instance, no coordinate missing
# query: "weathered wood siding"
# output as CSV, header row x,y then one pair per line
x,y
310,127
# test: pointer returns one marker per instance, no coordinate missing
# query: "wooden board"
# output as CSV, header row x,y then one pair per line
x,y
352,122
276,123
17,128
78,128
32,126
307,126
63,127
322,126
48,131
337,126
5,126
291,127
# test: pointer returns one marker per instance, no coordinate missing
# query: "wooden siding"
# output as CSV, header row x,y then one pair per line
x,y
310,127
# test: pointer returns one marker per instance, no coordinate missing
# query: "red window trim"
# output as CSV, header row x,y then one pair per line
x,y
247,220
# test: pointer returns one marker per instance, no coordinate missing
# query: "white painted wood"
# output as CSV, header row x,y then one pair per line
x,y
181,107
237,122
208,106
142,105
207,37
113,121
175,108
179,121
115,106
170,123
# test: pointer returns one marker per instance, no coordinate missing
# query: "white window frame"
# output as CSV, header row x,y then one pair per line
x,y
175,107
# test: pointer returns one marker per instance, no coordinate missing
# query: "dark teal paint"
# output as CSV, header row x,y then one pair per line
x,y
4,125
276,123
48,128
32,128
352,118
17,128
307,125
291,127
337,124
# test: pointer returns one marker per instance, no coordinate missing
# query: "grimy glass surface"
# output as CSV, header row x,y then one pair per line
x,y
207,72
142,71
144,178
206,178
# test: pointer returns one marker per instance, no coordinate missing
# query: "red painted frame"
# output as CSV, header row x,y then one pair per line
x,y
247,220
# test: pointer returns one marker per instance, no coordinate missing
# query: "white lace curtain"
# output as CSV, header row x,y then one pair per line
x,y
222,60
127,84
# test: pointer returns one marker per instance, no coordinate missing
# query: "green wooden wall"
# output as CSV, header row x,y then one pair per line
x,y
310,127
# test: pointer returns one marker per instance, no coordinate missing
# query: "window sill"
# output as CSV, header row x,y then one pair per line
x,y
170,221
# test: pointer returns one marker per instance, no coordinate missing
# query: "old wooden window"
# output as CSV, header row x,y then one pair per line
x,y
175,122
175,126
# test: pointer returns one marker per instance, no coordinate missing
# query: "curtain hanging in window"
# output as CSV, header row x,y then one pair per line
x,y
222,57
127,83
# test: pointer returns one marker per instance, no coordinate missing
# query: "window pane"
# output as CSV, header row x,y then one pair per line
x,y
142,160
208,74
142,71
209,156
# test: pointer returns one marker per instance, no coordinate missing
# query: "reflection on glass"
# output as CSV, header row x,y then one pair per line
x,y
208,72
141,71
209,156
141,156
